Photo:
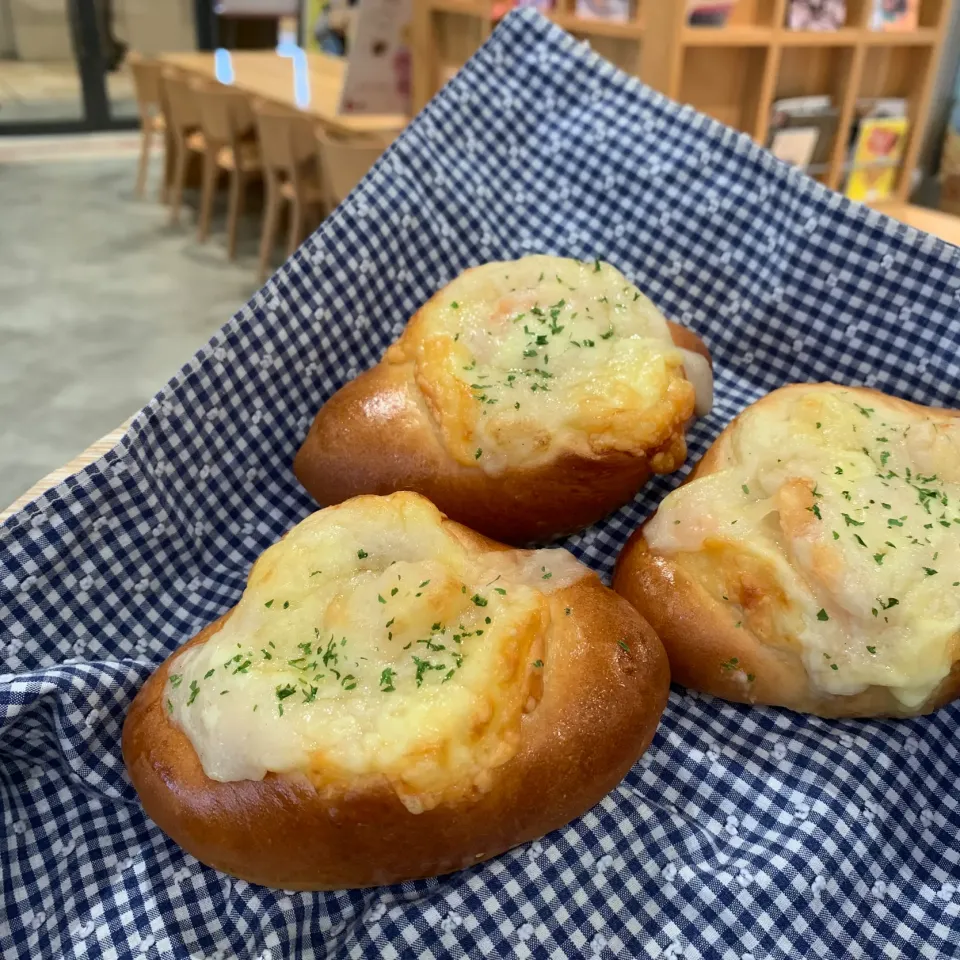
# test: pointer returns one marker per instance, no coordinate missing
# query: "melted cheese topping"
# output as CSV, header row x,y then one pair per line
x,y
836,525
370,643
522,360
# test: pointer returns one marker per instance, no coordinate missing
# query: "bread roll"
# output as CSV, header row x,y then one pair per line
x,y
394,696
812,560
526,399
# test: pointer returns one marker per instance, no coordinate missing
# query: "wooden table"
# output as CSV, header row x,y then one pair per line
x,y
102,446
940,224
264,74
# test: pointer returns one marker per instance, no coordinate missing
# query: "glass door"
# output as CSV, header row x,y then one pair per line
x,y
62,66
39,80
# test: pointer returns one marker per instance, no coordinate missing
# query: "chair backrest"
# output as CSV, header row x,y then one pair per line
x,y
345,163
225,114
288,142
146,82
181,104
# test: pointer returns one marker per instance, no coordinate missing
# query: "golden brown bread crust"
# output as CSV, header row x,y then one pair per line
x,y
600,706
376,435
700,635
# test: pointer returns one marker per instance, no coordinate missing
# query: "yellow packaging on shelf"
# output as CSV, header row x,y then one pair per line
x,y
876,158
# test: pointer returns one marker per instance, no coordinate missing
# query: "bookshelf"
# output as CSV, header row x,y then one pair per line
x,y
734,72
446,33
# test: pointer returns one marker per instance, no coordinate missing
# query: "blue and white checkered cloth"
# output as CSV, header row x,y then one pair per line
x,y
743,833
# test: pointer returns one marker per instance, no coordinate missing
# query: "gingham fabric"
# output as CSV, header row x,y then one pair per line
x,y
743,833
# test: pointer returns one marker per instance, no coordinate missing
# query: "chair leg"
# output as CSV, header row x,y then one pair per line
x,y
165,178
179,179
238,185
269,234
146,136
210,171
296,227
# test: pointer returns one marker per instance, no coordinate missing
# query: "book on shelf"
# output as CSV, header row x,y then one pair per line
x,y
816,14
802,131
708,13
894,15
950,154
616,10
878,107
879,139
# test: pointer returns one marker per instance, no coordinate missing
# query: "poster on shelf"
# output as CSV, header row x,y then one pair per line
x,y
377,77
816,14
895,15
327,25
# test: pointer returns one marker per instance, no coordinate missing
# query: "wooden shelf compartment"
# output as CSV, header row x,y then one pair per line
x,y
896,72
729,36
822,71
751,13
921,37
844,37
858,12
732,73
759,22
752,36
622,52
726,83
616,41
445,34
934,13
628,30
907,72
470,8
751,24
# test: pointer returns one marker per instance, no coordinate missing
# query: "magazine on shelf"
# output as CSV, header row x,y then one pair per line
x,y
708,13
880,107
895,15
802,131
816,14
878,140
615,10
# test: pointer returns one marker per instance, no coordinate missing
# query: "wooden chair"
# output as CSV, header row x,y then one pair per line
x,y
344,163
146,81
289,148
183,123
229,130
